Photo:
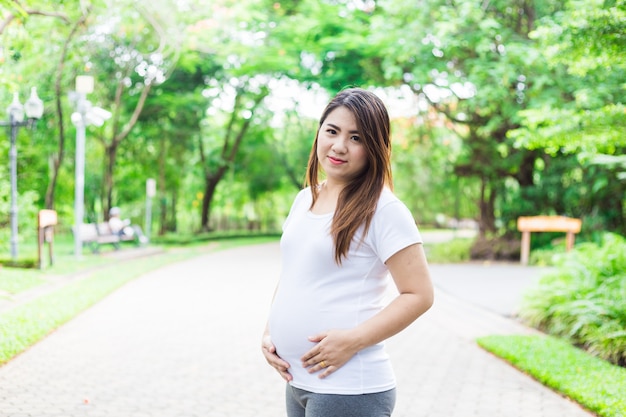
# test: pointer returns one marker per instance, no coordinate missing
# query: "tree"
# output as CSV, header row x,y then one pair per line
x,y
57,159
586,44
192,85
241,39
478,68
216,160
325,43
26,54
14,10
129,57
169,129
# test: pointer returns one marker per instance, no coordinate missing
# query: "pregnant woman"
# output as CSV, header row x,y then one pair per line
x,y
346,239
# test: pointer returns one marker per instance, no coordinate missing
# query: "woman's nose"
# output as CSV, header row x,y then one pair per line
x,y
340,145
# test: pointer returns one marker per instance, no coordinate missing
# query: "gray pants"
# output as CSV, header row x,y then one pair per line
x,y
301,403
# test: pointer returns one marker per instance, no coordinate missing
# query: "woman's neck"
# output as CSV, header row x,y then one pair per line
x,y
327,197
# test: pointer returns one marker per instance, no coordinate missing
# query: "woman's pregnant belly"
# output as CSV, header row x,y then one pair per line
x,y
295,318
291,325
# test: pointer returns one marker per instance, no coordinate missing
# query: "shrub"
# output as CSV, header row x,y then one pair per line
x,y
582,300
456,250
544,256
500,248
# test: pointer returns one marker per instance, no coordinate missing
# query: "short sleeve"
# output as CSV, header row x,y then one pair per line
x,y
392,229
303,197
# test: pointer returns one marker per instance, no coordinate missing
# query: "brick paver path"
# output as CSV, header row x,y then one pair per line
x,y
184,341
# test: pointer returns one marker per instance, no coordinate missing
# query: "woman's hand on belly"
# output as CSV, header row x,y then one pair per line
x,y
269,351
332,350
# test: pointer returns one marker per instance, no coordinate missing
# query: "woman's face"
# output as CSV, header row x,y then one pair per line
x,y
340,150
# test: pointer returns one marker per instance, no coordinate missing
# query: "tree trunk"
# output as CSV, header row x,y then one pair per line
x,y
229,151
163,223
209,191
173,223
486,204
54,175
111,154
57,160
119,134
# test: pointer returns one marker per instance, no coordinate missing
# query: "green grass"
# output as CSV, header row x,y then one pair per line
x,y
65,260
179,239
582,299
594,383
454,251
13,283
26,324
14,280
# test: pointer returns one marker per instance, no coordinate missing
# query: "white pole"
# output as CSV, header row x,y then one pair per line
x,y
79,190
150,192
13,169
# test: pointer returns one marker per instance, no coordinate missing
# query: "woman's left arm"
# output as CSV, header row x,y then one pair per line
x,y
409,270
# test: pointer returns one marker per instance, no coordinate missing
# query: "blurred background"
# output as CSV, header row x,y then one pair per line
x,y
207,111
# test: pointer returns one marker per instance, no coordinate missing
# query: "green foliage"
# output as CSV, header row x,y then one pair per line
x,y
583,299
476,69
326,43
589,33
593,383
26,216
424,156
544,256
587,40
507,95
454,251
565,185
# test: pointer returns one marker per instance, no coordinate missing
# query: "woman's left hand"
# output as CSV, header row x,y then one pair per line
x,y
332,350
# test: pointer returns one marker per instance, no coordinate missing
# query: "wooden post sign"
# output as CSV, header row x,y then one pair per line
x,y
47,219
526,225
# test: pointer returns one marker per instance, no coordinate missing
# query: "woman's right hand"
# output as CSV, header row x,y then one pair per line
x,y
269,351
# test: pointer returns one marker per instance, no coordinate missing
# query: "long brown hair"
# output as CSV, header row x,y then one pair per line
x,y
357,201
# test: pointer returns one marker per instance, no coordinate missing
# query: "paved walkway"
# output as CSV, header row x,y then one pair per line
x,y
184,341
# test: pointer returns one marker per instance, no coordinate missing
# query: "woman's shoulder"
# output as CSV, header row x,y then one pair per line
x,y
304,196
304,193
390,205
393,225
387,197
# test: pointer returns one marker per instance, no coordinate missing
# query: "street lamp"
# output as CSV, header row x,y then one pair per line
x,y
85,115
15,112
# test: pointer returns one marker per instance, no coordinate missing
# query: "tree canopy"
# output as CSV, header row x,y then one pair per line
x,y
500,109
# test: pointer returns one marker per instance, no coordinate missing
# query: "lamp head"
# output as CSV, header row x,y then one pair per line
x,y
97,116
84,84
15,111
34,105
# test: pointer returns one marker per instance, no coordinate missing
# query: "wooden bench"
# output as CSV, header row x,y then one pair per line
x,y
526,225
95,235
104,229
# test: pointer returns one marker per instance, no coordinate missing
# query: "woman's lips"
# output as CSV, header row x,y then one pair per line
x,y
336,161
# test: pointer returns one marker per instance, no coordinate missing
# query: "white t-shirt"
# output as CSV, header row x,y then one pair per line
x,y
315,294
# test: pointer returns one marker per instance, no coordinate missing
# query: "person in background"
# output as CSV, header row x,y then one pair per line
x,y
346,239
124,227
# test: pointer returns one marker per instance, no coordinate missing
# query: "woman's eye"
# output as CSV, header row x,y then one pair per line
x,y
355,138
331,131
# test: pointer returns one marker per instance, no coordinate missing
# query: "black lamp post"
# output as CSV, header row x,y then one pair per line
x,y
15,112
